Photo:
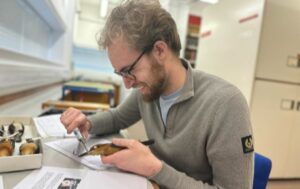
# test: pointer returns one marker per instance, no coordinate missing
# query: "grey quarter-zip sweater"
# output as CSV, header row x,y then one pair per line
x,y
207,141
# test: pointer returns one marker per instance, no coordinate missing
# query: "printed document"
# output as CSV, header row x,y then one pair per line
x,y
51,126
62,178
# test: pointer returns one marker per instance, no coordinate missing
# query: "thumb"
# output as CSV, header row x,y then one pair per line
x,y
85,134
85,130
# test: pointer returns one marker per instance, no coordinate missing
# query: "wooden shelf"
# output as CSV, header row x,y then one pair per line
x,y
78,105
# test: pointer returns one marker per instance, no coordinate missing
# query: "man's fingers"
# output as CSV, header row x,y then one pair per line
x,y
68,112
66,120
106,159
78,121
85,134
111,159
73,118
116,157
68,115
129,143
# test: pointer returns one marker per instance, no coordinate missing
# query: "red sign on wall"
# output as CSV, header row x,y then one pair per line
x,y
245,19
205,34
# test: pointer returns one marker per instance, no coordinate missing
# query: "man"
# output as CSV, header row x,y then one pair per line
x,y
200,123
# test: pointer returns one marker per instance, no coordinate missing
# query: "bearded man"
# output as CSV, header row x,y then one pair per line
x,y
200,123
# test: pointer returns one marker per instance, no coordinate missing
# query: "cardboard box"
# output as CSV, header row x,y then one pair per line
x,y
18,162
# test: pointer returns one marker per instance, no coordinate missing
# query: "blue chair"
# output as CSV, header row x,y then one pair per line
x,y
262,169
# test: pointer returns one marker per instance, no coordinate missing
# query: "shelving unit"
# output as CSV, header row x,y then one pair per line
x,y
89,92
192,39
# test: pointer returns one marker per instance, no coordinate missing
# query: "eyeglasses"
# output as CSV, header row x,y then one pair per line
x,y
126,72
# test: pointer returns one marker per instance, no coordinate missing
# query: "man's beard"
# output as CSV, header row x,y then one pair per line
x,y
158,83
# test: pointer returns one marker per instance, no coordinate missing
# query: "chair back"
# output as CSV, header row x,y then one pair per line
x,y
262,169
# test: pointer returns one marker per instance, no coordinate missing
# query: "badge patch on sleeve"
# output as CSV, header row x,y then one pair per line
x,y
247,144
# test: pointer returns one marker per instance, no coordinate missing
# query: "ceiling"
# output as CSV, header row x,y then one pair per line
x,y
97,1
194,2
196,6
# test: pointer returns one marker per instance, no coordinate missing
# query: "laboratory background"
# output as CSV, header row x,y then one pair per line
x,y
50,60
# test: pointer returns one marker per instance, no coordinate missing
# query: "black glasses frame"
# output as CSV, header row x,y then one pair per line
x,y
126,72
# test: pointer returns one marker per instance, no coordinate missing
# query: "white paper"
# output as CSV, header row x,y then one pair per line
x,y
51,126
111,180
1,183
59,178
52,177
68,145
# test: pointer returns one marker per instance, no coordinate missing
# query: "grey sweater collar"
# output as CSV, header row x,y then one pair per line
x,y
188,88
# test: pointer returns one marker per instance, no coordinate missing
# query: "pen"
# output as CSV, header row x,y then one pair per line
x,y
146,142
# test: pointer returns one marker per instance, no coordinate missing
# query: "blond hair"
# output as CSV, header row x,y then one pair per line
x,y
141,23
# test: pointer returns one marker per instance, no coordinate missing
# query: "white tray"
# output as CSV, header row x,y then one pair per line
x,y
17,162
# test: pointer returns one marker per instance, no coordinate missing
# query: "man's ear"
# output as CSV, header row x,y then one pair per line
x,y
160,49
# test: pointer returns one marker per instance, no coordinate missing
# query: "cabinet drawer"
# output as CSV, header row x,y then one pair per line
x,y
280,43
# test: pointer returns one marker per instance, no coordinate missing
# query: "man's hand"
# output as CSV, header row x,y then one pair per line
x,y
137,158
73,118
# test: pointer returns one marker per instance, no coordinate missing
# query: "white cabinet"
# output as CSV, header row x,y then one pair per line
x,y
276,93
280,42
274,120
258,50
228,48
293,165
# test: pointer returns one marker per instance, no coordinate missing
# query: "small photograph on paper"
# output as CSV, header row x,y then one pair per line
x,y
69,183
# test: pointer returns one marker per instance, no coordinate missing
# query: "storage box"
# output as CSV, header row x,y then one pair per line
x,y
18,162
84,91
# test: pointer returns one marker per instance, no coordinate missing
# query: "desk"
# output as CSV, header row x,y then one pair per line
x,y
50,158
88,92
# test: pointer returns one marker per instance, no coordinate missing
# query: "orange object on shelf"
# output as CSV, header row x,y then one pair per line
x,y
78,105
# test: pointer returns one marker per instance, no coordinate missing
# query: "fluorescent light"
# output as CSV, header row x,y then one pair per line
x,y
210,1
103,8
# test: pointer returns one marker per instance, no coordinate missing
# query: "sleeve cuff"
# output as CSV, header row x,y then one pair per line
x,y
164,175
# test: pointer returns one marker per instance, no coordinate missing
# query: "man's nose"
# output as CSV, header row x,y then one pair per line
x,y
128,82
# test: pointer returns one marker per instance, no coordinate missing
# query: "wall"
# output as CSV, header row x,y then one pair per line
x,y
180,11
89,62
227,47
88,24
